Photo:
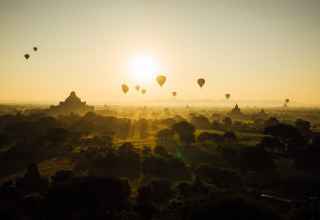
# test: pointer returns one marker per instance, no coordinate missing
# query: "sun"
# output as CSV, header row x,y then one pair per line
x,y
143,69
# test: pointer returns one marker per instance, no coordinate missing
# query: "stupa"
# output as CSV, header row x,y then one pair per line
x,y
72,104
236,112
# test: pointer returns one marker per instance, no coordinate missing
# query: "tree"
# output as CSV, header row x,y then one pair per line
x,y
126,148
288,135
4,140
221,177
128,161
143,127
155,167
216,125
316,140
160,151
230,137
206,136
271,144
185,131
165,138
308,159
146,151
57,135
87,196
303,126
227,121
272,121
200,122
157,191
256,159
228,207
122,162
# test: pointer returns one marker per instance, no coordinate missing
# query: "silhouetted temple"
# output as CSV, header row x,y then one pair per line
x,y
236,111
72,104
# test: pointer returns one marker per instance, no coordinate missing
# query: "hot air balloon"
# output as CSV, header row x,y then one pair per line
x,y
125,88
143,91
137,87
26,56
174,93
286,102
201,82
35,48
228,96
161,79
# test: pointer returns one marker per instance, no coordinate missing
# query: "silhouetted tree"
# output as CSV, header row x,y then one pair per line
x,y
159,150
229,209
57,135
177,169
200,122
165,167
303,126
87,197
185,132
168,122
221,177
4,140
308,159
272,121
256,159
146,151
288,135
32,181
227,121
271,144
62,176
316,140
155,166
142,126
145,206
157,191
217,125
230,137
206,136
165,137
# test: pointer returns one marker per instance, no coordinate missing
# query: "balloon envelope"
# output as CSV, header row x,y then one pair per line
x,y
26,56
143,91
287,100
228,96
174,93
201,82
137,87
161,79
124,88
35,48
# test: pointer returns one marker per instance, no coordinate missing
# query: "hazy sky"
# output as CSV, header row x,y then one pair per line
x,y
253,49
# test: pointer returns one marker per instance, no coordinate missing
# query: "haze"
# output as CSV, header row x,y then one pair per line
x,y
256,50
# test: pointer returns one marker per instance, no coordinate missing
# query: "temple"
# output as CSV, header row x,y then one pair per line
x,y
236,112
72,104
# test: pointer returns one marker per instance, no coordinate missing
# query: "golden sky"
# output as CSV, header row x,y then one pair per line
x,y
253,49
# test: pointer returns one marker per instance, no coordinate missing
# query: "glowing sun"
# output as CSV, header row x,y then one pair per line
x,y
143,69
